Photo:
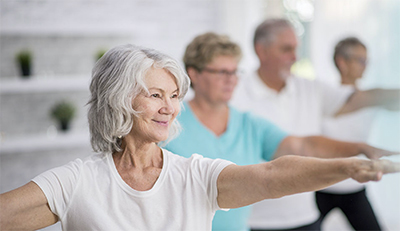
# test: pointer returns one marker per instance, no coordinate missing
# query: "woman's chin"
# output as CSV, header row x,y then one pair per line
x,y
162,138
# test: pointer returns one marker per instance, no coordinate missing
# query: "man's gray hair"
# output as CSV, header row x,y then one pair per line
x,y
117,78
267,31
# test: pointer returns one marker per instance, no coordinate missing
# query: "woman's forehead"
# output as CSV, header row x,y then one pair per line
x,y
161,79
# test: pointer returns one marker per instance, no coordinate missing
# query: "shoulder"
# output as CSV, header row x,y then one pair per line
x,y
71,171
249,118
195,161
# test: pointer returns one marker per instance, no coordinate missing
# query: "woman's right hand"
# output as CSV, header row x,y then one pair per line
x,y
370,170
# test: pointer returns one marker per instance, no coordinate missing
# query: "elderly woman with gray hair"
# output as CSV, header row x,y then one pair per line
x,y
133,184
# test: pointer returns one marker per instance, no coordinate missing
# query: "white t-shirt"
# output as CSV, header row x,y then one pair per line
x,y
352,127
298,109
90,194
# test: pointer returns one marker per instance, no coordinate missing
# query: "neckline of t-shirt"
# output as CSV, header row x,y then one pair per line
x,y
157,185
260,90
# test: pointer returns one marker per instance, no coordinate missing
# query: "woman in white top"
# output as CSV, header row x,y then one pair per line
x,y
350,197
133,184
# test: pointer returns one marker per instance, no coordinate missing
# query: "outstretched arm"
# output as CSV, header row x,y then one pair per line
x,y
25,208
323,147
386,98
243,185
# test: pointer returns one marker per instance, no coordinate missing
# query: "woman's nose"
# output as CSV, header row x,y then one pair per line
x,y
168,107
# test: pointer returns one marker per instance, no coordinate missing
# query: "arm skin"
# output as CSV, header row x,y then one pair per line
x,y
322,147
386,98
25,208
243,185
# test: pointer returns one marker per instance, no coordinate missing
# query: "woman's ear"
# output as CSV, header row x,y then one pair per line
x,y
193,74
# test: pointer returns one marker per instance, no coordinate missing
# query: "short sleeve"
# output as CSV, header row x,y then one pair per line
x,y
58,185
268,135
208,170
333,97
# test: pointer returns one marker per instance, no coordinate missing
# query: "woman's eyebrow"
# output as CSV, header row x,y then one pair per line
x,y
162,90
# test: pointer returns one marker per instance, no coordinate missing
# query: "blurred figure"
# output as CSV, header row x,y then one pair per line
x,y
298,106
212,128
350,58
350,197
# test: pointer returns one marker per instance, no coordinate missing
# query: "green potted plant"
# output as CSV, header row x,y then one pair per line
x,y
63,112
100,53
24,59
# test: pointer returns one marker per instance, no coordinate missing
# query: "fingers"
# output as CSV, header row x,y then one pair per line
x,y
369,176
374,170
379,176
389,166
389,153
376,153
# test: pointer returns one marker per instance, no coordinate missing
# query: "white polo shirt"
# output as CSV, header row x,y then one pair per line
x,y
298,109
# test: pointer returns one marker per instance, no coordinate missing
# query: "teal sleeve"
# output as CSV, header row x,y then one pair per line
x,y
269,135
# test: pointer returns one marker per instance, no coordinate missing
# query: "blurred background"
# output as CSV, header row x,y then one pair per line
x,y
58,42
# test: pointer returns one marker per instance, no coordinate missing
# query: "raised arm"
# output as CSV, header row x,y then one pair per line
x,y
25,208
243,185
386,98
323,147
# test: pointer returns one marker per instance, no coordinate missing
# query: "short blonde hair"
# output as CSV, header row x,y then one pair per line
x,y
204,48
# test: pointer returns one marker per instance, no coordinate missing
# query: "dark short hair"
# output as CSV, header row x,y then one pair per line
x,y
343,47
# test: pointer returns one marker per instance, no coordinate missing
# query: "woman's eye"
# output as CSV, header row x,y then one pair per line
x,y
156,95
174,96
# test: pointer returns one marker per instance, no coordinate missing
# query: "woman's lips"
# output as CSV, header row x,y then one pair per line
x,y
163,123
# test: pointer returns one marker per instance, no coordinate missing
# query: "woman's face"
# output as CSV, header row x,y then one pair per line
x,y
357,62
158,108
217,81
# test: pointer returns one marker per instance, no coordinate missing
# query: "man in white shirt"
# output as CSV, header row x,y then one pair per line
x,y
297,106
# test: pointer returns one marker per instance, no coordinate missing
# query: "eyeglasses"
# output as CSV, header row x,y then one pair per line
x,y
359,60
223,73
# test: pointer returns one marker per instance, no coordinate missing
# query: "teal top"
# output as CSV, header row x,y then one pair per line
x,y
248,139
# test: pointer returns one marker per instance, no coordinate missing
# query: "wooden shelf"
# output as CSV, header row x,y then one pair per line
x,y
37,84
45,142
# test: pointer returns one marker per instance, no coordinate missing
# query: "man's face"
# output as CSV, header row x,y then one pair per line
x,y
280,55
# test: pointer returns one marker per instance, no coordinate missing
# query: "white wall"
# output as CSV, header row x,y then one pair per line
x,y
80,27
377,24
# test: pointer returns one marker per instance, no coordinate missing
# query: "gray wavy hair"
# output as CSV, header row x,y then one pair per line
x,y
267,31
117,78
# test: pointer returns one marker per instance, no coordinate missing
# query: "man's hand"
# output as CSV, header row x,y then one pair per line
x,y
376,153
